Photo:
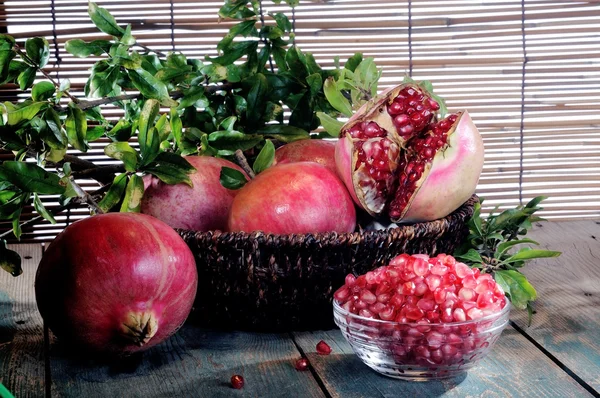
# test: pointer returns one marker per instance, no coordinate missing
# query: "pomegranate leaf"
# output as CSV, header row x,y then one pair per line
x,y
30,177
41,209
38,51
132,203
114,194
10,260
232,178
331,125
82,49
104,20
284,133
503,247
124,152
529,254
76,127
517,287
335,97
353,62
265,157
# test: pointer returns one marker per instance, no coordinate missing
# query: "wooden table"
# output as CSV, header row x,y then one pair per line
x,y
557,356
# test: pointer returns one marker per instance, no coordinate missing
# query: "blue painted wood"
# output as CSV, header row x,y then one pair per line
x,y
567,319
515,368
21,328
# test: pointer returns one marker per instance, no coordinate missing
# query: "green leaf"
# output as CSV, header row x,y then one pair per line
x,y
151,87
82,49
170,159
531,254
265,157
127,38
145,122
114,194
26,110
94,133
235,51
296,62
535,201
41,209
471,256
282,21
76,126
6,55
104,21
504,246
232,178
132,203
330,124
176,127
102,81
235,9
315,83
169,174
233,140
256,98
10,261
42,91
124,152
336,98
244,28
516,286
30,177
283,133
38,50
27,77
195,96
353,62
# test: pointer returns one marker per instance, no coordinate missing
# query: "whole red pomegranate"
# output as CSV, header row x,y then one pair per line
x,y
116,283
303,197
394,156
319,151
203,207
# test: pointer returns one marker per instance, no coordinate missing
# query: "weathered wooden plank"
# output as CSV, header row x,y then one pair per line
x,y
21,328
567,319
193,363
515,368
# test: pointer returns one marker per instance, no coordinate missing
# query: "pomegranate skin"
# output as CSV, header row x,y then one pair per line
x,y
203,207
116,283
295,198
453,176
319,151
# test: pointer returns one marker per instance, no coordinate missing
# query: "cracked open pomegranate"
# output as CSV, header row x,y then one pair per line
x,y
395,157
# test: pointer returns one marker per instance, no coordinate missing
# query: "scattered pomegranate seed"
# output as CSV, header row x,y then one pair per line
x,y
323,348
302,364
237,382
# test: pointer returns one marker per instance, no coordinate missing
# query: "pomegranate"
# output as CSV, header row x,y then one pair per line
x,y
116,283
303,197
203,207
394,156
319,151
429,303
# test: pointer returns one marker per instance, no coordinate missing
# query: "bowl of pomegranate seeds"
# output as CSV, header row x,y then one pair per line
x,y
421,318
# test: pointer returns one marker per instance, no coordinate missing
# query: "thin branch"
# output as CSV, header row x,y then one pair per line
x,y
243,163
46,75
99,171
262,25
148,49
88,104
86,197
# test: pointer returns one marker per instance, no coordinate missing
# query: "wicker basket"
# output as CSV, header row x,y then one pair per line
x,y
267,282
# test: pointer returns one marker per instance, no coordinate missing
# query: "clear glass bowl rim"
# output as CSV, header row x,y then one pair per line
x,y
495,316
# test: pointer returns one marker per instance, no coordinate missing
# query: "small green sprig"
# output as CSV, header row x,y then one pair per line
x,y
497,245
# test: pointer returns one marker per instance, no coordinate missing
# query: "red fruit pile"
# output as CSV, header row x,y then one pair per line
x,y
422,290
424,298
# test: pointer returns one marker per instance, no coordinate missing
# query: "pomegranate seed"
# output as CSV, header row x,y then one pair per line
x,y
420,267
426,304
459,315
366,313
323,348
466,294
387,314
462,270
237,382
360,305
368,297
433,104
401,120
302,364
342,294
350,279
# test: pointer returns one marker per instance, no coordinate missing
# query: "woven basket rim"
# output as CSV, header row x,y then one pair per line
x,y
435,227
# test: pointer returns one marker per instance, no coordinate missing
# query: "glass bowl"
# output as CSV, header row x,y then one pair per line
x,y
420,352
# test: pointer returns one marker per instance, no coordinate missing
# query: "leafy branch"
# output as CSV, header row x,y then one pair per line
x,y
497,245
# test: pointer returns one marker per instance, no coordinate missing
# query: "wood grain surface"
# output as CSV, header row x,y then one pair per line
x,y
567,319
21,328
515,368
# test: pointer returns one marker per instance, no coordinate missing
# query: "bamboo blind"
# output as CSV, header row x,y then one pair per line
x,y
527,71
